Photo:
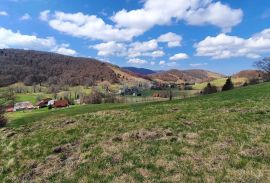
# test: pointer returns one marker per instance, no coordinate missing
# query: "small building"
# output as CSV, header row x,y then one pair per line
x,y
51,103
61,103
10,108
20,106
43,103
78,101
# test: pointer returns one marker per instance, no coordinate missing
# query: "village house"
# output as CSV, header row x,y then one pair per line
x,y
20,106
43,103
50,103
61,103
10,108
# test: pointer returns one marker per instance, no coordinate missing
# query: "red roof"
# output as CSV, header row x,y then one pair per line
x,y
61,103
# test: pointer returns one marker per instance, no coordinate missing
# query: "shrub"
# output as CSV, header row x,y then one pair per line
x,y
245,84
3,120
209,89
228,85
94,98
254,81
109,98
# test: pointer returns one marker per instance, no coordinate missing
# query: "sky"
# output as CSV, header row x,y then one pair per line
x,y
224,36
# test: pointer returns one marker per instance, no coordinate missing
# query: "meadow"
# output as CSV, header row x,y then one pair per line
x,y
223,137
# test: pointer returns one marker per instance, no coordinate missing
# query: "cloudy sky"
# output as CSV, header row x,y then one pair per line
x,y
223,36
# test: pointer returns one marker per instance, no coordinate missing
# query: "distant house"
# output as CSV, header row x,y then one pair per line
x,y
51,103
61,103
10,108
130,91
78,101
23,106
43,103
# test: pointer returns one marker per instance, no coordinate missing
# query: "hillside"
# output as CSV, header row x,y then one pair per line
x,y
34,67
141,71
222,137
249,74
179,76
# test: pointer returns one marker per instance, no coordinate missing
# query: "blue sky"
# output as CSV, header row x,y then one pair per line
x,y
224,36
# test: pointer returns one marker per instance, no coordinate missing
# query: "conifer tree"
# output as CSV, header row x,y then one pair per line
x,y
228,85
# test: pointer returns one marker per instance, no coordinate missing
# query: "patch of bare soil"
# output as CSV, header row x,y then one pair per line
x,y
254,152
64,159
7,133
143,135
191,138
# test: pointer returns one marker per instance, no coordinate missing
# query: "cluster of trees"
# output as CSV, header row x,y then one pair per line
x,y
210,89
264,65
97,97
36,68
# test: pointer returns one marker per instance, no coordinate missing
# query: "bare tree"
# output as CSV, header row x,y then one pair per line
x,y
264,65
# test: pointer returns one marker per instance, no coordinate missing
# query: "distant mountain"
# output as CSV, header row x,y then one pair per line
x,y
182,76
140,71
249,74
34,67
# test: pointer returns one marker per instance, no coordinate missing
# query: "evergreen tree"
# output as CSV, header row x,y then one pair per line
x,y
209,89
228,85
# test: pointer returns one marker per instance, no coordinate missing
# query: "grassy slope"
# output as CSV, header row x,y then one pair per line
x,y
219,83
223,137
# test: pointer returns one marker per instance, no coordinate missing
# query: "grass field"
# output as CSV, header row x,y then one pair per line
x,y
219,83
224,137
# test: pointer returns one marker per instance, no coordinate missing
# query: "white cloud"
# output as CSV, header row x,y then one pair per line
x,y
132,50
172,39
162,62
10,39
64,50
158,53
179,56
129,24
26,16
198,64
152,63
3,13
144,46
137,61
216,14
87,26
147,48
110,49
225,46
194,12
44,15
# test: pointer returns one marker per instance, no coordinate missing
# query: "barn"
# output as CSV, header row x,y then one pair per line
x,y
43,103
61,103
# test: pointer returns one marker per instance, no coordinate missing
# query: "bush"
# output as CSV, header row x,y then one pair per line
x,y
254,81
228,85
109,98
3,120
245,84
94,98
209,89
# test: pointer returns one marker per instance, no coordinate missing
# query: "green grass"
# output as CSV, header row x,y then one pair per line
x,y
31,97
224,137
219,83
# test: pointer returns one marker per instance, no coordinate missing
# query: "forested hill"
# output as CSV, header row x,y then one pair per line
x,y
33,67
